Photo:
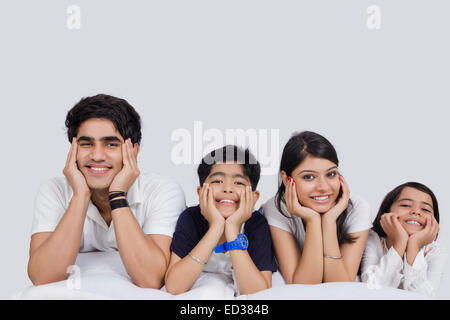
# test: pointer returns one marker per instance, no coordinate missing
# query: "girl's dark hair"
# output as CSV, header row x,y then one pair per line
x,y
300,146
393,195
125,118
231,153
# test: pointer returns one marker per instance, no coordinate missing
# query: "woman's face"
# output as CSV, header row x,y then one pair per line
x,y
317,183
412,207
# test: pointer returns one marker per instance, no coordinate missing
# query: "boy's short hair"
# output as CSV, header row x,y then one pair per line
x,y
125,118
231,153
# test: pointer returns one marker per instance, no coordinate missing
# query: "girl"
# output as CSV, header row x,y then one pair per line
x,y
401,250
319,232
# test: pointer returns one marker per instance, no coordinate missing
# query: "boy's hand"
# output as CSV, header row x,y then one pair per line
x,y
130,171
73,175
246,205
208,208
342,204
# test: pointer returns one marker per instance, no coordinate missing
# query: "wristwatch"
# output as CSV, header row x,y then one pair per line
x,y
241,242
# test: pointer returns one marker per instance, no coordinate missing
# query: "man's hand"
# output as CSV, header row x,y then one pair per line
x,y
130,171
73,175
246,205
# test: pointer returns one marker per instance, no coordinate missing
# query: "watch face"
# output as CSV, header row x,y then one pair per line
x,y
244,241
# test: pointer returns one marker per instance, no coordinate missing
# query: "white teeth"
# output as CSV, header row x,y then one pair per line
x,y
227,201
99,169
321,198
413,222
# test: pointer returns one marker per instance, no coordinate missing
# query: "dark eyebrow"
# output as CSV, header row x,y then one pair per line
x,y
238,175
303,171
423,202
108,138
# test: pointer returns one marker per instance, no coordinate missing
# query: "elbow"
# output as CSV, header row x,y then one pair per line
x,y
149,283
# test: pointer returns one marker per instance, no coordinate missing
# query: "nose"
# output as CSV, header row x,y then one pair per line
x,y
227,187
322,185
98,153
416,211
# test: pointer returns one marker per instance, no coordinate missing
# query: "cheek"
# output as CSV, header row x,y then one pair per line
x,y
304,189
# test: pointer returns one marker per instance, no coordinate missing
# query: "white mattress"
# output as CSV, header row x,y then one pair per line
x,y
103,276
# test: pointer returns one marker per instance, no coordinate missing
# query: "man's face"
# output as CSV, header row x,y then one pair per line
x,y
99,155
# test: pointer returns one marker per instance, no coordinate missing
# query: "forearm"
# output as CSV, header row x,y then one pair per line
x,y
334,270
248,277
144,260
49,262
183,274
310,265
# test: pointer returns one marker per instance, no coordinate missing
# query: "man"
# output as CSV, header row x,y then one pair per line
x,y
103,203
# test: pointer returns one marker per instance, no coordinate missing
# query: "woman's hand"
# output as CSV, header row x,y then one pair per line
x,y
293,205
340,206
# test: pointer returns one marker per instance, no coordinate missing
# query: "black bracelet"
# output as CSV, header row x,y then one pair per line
x,y
116,194
119,203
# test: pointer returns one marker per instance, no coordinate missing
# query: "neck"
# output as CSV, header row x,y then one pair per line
x,y
100,200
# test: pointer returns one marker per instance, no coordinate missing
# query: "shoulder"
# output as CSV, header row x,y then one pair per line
x,y
57,187
191,217
160,190
151,182
256,220
359,215
435,248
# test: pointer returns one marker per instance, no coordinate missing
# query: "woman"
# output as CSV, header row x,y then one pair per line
x,y
318,231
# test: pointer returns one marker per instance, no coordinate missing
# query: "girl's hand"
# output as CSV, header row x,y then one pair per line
x,y
208,208
293,205
395,232
425,236
342,204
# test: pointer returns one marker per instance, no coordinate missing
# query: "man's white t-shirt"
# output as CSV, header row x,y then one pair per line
x,y
359,218
155,201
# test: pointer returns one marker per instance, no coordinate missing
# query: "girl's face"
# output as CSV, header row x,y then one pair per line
x,y
413,206
317,183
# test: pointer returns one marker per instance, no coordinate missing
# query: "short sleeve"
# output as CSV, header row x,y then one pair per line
x,y
275,218
359,217
260,243
188,232
49,207
164,207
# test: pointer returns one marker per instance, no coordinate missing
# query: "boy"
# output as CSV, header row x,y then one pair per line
x,y
226,223
103,202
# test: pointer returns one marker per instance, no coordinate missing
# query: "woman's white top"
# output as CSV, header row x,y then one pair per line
x,y
383,267
358,219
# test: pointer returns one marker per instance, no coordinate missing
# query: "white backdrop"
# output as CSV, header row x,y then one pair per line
x,y
379,95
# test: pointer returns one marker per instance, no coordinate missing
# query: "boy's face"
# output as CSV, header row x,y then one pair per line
x,y
99,155
226,181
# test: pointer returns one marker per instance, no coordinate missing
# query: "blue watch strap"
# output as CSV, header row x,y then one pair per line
x,y
220,248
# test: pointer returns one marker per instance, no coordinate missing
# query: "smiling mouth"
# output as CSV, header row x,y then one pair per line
x,y
98,170
227,202
413,222
321,199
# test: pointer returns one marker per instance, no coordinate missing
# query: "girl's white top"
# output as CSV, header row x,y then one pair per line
x,y
383,267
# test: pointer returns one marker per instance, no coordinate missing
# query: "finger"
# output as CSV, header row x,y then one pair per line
x,y
345,188
71,156
131,156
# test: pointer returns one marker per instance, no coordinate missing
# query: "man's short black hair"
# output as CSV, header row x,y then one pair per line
x,y
125,118
231,153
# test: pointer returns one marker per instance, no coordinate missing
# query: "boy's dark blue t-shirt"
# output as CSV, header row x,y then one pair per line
x,y
192,226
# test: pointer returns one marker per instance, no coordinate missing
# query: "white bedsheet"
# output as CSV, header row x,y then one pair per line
x,y
103,276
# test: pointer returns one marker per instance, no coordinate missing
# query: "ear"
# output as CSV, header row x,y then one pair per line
x,y
198,190
256,195
136,149
284,177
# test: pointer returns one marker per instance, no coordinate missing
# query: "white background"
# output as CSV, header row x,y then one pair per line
x,y
380,96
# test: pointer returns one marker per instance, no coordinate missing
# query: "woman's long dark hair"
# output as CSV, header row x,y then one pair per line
x,y
393,195
300,146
